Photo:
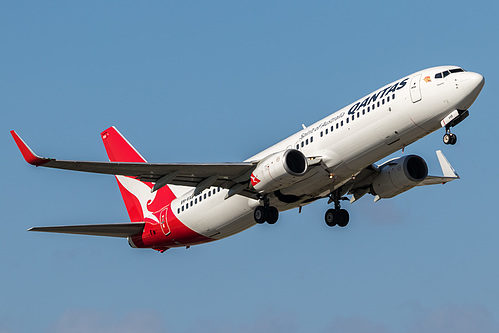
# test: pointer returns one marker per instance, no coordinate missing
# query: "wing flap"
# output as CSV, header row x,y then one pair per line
x,y
110,230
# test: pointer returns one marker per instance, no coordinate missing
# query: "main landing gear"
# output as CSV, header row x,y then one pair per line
x,y
449,138
337,216
264,214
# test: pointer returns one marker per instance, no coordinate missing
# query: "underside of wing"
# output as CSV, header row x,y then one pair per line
x,y
110,230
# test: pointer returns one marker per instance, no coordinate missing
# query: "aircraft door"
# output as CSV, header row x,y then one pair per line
x,y
415,88
163,220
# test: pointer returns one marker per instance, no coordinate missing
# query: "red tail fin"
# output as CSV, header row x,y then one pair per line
x,y
139,201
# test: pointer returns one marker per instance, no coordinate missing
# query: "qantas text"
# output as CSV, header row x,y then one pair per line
x,y
379,94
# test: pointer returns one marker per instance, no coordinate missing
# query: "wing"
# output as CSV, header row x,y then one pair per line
x,y
232,176
447,170
110,230
361,185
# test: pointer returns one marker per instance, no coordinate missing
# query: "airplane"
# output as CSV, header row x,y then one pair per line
x,y
183,204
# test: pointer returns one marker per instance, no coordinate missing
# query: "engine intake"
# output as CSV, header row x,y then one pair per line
x,y
399,175
279,170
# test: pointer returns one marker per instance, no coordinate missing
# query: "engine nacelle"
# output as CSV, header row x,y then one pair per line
x,y
279,170
399,175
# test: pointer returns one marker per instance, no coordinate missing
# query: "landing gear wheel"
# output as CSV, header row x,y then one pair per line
x,y
330,217
260,214
449,138
337,216
273,215
453,139
343,217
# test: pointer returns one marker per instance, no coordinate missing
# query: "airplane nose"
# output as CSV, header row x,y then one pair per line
x,y
471,84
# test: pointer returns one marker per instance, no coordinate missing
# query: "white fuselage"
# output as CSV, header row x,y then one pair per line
x,y
346,142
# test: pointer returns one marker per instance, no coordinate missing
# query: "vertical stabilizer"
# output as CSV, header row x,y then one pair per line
x,y
139,201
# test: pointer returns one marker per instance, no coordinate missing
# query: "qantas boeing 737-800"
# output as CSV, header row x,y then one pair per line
x,y
183,204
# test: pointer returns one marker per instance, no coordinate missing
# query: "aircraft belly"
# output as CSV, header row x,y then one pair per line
x,y
223,219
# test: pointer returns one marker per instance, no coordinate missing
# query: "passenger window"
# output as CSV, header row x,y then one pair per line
x,y
326,130
200,198
182,208
342,122
368,108
393,96
214,191
306,142
364,112
348,120
374,106
358,114
178,210
337,125
204,195
302,143
297,146
311,139
378,104
383,101
321,134
332,126
353,117
196,201
388,99
209,193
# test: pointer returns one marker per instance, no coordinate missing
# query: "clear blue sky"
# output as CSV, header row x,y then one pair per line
x,y
219,81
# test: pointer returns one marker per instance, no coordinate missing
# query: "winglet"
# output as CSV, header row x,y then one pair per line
x,y
26,151
447,169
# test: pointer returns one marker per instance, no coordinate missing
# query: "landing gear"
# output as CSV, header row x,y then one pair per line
x,y
260,214
449,138
266,214
337,216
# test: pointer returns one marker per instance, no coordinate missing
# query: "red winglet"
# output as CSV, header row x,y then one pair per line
x,y
28,154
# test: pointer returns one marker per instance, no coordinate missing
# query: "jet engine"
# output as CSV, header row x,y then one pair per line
x,y
279,170
399,175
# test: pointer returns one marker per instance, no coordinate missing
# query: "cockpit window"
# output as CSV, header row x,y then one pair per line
x,y
450,71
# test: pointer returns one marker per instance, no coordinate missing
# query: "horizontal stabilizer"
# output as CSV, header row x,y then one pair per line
x,y
110,230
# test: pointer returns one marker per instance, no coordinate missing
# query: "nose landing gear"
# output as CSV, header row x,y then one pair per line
x,y
449,138
337,216
452,120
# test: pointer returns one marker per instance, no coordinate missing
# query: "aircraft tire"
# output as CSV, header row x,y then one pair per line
x,y
453,139
330,217
343,218
273,215
260,214
447,139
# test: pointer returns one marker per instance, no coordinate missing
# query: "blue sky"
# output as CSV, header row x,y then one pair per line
x,y
219,81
